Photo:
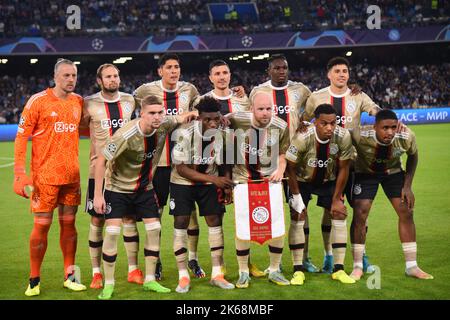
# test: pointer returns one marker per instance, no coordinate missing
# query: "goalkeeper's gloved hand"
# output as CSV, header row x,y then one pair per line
x,y
21,180
296,203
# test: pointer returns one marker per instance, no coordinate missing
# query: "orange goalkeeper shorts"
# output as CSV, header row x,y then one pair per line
x,y
45,197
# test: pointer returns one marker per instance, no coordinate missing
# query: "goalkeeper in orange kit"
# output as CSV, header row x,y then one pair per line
x,y
51,118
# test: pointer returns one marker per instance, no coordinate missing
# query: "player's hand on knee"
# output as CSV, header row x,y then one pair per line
x,y
408,198
21,181
338,209
99,205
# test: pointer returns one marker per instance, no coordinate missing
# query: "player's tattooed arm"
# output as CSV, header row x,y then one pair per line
x,y
407,194
187,117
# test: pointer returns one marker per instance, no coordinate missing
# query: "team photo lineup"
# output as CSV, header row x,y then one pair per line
x,y
198,186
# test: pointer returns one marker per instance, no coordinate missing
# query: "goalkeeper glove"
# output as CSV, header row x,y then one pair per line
x,y
21,180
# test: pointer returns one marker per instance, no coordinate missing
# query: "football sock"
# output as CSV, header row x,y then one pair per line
x,y
275,252
68,241
131,241
109,249
297,242
151,248
242,253
38,243
339,242
95,246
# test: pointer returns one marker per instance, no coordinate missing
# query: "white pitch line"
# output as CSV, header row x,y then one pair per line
x,y
7,165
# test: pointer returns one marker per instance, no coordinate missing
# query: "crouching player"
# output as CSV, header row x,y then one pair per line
x,y
312,165
197,155
130,160
379,162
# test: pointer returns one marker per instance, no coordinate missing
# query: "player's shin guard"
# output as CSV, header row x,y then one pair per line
x,y
193,233
95,246
180,239
151,249
275,252
216,244
297,243
242,252
339,242
38,244
131,241
109,250
68,241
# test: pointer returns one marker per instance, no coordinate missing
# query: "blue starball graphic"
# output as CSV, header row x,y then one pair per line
x,y
394,35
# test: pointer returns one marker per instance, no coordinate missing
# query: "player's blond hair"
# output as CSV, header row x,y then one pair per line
x,y
61,61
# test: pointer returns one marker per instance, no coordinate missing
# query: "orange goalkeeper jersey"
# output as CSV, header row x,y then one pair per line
x,y
53,125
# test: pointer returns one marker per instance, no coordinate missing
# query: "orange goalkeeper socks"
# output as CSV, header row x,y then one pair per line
x,y
68,241
38,244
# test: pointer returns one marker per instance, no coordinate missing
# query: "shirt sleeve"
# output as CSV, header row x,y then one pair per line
x,y
346,147
368,105
284,141
195,98
28,122
115,147
181,150
412,145
293,152
308,115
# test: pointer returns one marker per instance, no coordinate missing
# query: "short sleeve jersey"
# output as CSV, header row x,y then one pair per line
x,y
315,159
105,118
288,101
191,147
230,103
133,157
348,108
377,158
255,150
175,102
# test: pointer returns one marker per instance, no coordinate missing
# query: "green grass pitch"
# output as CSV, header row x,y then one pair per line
x,y
432,218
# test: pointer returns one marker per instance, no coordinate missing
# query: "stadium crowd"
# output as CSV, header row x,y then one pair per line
x,y
168,17
404,87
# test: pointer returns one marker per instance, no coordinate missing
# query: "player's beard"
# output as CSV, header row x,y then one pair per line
x,y
111,91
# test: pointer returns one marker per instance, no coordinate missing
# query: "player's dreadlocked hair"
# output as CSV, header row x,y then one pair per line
x,y
385,114
324,108
208,104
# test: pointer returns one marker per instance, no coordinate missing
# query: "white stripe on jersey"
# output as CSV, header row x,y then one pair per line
x,y
34,97
280,123
131,132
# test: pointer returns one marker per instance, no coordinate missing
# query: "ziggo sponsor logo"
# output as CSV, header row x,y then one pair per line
x,y
61,127
114,123
319,163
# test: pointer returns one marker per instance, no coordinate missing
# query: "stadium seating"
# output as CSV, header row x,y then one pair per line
x,y
410,86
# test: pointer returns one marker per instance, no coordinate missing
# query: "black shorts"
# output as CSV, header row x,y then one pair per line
x,y
161,184
89,207
141,204
324,192
366,186
184,197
